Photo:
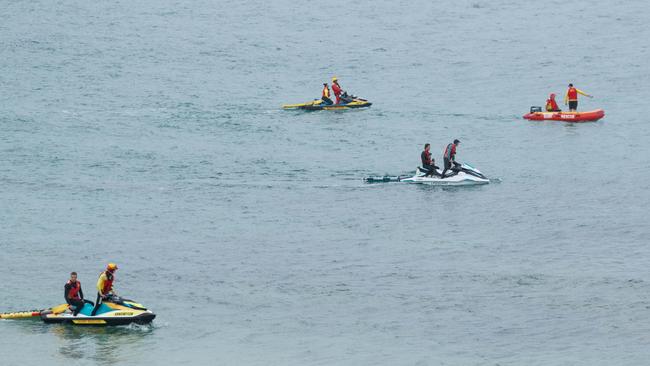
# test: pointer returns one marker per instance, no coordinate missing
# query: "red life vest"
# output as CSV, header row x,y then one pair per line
x,y
551,105
108,284
74,290
426,158
573,94
450,151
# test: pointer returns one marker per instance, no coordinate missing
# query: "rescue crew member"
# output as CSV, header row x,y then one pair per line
x,y
427,162
572,97
551,104
336,89
449,156
73,294
105,285
326,95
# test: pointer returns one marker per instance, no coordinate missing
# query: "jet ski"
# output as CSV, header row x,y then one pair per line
x,y
461,175
536,114
348,101
114,311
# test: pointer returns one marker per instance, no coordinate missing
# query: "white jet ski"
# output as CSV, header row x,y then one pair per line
x,y
459,175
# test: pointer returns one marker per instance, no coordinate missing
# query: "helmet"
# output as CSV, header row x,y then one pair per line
x,y
334,79
111,266
456,141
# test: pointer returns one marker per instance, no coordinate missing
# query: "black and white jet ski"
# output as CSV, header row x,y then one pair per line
x,y
459,175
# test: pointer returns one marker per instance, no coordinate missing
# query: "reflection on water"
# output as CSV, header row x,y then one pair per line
x,y
103,345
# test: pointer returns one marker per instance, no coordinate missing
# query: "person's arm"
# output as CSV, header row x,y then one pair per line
x,y
566,98
100,284
583,93
66,289
81,292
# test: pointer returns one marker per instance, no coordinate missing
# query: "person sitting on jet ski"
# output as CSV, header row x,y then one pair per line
x,y
336,89
427,162
326,95
105,285
450,157
551,104
73,294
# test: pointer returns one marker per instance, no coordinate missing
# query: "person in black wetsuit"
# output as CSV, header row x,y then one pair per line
x,y
73,294
427,162
449,156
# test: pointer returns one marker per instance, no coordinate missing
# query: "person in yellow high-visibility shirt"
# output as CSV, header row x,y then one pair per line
x,y
105,286
572,97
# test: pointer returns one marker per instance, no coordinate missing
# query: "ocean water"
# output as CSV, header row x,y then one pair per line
x,y
150,134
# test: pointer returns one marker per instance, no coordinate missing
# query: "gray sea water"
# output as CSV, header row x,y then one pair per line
x,y
150,133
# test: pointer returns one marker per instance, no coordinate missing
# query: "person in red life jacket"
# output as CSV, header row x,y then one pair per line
x,y
73,294
449,157
572,97
336,89
326,95
551,104
105,285
427,162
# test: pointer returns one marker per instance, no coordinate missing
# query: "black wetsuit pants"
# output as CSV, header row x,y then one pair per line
x,y
327,100
431,170
78,305
448,164
98,303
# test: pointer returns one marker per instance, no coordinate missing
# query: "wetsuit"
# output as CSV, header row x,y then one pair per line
x,y
449,157
326,96
104,288
428,163
336,89
74,296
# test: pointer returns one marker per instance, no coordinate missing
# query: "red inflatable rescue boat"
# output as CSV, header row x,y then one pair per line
x,y
588,116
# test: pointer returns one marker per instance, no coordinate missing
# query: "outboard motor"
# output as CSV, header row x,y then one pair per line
x,y
535,109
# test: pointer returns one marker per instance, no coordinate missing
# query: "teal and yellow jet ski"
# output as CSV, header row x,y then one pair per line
x,y
114,311
347,102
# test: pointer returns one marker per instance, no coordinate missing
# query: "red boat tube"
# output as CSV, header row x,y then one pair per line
x,y
588,116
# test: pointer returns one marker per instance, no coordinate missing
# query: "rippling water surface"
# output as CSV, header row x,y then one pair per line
x,y
149,133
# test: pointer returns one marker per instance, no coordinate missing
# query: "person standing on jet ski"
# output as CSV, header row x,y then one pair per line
x,y
336,89
326,95
73,294
449,156
427,162
105,285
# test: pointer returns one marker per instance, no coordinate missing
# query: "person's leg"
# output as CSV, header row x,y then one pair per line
x,y
98,302
573,105
447,166
327,101
78,305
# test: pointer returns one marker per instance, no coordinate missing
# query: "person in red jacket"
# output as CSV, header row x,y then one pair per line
x,y
551,104
73,294
336,89
572,97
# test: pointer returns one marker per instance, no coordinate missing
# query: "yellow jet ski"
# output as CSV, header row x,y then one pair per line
x,y
347,102
114,311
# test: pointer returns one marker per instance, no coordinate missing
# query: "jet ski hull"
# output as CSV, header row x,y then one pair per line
x,y
108,314
588,116
318,105
464,175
